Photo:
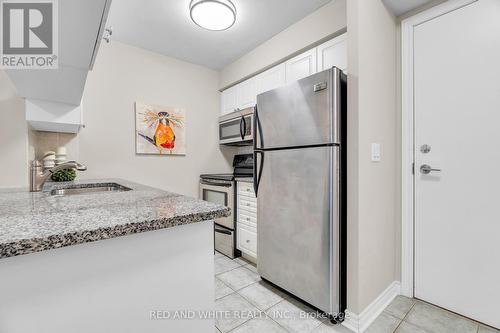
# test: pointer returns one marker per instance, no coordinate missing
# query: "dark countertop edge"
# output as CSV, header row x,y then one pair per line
x,y
33,245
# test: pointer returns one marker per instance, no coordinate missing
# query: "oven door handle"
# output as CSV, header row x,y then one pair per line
x,y
206,182
221,231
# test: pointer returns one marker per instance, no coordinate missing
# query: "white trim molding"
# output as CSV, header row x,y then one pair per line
x,y
408,134
359,323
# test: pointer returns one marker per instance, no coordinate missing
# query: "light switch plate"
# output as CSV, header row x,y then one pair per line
x,y
376,152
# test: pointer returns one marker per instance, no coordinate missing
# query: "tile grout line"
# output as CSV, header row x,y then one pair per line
x,y
242,322
272,319
282,299
478,324
254,305
232,269
241,287
224,283
406,314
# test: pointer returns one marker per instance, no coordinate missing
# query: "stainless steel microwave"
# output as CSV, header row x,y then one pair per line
x,y
236,128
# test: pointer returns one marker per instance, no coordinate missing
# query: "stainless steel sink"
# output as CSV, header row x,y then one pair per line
x,y
89,188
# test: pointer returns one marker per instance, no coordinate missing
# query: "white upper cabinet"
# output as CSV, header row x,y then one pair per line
x,y
53,96
333,53
271,79
246,94
327,55
301,66
229,100
81,26
53,117
240,96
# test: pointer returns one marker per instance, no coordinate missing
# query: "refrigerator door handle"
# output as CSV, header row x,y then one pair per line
x,y
257,174
257,130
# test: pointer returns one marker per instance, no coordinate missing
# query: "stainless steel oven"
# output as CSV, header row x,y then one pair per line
x,y
221,192
220,189
236,128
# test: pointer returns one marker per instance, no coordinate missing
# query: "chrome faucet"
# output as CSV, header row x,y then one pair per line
x,y
38,177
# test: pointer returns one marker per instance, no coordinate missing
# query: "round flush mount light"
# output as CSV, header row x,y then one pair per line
x,y
215,15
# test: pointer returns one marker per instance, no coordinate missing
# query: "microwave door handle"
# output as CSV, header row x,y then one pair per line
x,y
244,132
242,128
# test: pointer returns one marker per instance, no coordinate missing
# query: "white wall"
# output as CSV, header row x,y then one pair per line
x,y
13,136
318,25
373,223
124,74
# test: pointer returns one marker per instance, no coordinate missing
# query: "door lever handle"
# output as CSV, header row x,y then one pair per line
x,y
426,169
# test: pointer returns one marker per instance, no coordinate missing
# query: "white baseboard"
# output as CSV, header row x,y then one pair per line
x,y
359,323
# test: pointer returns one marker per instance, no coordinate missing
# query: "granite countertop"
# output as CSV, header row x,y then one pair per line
x,y
33,222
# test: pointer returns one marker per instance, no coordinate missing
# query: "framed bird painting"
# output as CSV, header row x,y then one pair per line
x,y
159,130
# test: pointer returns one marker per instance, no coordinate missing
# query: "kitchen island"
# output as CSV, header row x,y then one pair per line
x,y
110,261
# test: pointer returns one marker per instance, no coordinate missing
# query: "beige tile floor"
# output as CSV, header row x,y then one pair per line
x,y
239,288
406,315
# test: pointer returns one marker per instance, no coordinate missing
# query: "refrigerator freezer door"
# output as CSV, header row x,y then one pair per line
x,y
298,223
300,114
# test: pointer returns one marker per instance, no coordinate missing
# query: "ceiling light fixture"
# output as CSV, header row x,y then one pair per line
x,y
215,15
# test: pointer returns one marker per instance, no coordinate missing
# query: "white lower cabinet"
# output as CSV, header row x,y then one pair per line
x,y
247,240
246,222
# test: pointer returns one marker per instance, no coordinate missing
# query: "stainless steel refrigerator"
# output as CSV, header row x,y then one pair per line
x,y
300,182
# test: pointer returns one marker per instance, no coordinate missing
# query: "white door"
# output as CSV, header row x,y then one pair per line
x,y
301,66
333,53
457,115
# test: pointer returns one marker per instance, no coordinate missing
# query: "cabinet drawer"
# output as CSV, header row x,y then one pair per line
x,y
246,189
247,218
247,240
247,204
247,211
247,197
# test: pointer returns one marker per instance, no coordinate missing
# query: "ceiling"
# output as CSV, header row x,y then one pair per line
x,y
399,7
164,26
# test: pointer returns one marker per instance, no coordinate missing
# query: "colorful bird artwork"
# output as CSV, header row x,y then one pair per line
x,y
159,128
